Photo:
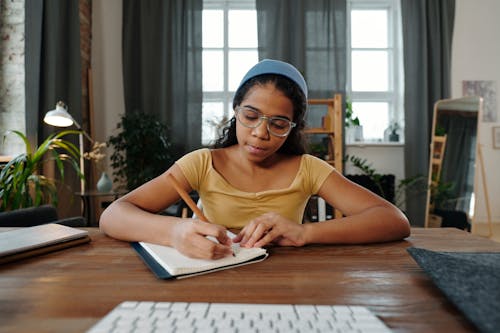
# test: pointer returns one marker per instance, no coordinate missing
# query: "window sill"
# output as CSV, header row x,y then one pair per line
x,y
362,144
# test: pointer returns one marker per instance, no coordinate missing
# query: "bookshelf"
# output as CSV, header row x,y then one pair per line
x,y
332,128
438,147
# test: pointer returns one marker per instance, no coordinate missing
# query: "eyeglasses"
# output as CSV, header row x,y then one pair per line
x,y
277,126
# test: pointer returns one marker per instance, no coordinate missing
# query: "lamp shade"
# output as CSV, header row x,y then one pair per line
x,y
59,117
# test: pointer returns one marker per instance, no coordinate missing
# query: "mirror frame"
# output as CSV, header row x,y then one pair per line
x,y
478,155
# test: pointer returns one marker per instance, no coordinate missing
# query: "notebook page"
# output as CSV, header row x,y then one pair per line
x,y
176,263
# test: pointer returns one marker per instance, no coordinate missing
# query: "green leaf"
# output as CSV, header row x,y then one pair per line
x,y
141,149
20,181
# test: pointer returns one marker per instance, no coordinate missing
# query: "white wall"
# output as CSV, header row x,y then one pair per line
x,y
106,65
475,57
476,54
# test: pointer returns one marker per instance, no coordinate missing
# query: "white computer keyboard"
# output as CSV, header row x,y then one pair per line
x,y
230,317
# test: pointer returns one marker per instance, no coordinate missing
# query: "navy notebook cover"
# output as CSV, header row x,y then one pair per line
x,y
151,262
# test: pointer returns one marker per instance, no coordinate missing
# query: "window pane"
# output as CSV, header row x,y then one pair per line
x,y
212,114
370,71
213,28
242,29
374,117
369,28
239,63
213,71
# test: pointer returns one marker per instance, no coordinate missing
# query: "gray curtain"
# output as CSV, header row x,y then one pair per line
x,y
52,62
53,73
310,34
459,160
427,38
162,65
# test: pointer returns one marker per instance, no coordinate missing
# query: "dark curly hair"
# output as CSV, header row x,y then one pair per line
x,y
295,141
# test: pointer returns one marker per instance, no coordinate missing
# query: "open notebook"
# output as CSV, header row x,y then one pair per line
x,y
168,263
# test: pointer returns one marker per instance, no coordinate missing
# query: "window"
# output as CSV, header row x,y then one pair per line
x,y
375,71
229,50
375,80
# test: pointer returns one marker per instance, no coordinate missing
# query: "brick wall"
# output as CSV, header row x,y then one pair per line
x,y
12,97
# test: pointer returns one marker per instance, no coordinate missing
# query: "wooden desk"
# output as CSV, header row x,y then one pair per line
x,y
70,290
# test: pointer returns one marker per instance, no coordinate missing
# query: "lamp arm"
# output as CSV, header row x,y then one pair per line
x,y
81,129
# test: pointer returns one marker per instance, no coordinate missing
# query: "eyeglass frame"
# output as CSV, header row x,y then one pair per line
x,y
261,119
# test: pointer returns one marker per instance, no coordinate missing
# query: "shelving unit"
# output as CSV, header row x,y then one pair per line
x,y
332,129
438,147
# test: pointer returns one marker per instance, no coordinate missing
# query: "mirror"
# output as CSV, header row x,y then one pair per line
x,y
452,162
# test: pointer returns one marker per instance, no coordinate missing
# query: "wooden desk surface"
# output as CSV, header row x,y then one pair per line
x,y
70,290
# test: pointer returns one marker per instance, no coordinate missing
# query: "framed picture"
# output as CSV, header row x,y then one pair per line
x,y
496,137
488,91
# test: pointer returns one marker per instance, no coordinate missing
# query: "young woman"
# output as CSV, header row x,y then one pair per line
x,y
257,178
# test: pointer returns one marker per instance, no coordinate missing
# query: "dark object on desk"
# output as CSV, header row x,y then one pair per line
x,y
383,186
180,208
28,217
453,219
470,280
27,242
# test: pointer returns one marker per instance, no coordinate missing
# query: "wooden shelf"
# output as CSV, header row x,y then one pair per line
x,y
332,128
318,131
437,152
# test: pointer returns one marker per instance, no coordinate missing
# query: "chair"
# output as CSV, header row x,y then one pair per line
x,y
28,217
180,208
453,219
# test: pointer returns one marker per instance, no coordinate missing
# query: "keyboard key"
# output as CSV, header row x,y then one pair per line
x,y
142,316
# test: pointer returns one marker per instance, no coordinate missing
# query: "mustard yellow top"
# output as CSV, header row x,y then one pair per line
x,y
223,204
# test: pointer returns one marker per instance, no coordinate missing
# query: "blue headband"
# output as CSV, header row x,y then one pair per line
x,y
269,66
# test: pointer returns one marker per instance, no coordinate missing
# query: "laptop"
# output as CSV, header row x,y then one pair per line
x,y
25,242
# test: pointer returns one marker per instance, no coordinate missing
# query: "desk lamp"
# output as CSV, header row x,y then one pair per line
x,y
59,117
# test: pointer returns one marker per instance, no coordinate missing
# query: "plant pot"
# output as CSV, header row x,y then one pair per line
x,y
354,134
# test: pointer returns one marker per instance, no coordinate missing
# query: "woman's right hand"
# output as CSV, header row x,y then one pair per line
x,y
189,238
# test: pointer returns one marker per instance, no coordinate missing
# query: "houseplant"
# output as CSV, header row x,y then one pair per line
x,y
141,149
382,185
21,183
97,155
350,119
354,130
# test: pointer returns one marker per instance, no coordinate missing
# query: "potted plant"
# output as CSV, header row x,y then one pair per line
x,y
141,149
382,185
354,130
319,148
21,183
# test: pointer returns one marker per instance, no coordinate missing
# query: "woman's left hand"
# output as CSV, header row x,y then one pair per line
x,y
271,228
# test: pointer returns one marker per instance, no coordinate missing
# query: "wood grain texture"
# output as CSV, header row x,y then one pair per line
x,y
70,290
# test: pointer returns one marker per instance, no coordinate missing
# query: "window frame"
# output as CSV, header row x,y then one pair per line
x,y
394,96
225,96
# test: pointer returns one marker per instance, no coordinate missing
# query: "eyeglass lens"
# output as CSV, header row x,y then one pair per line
x,y
252,118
